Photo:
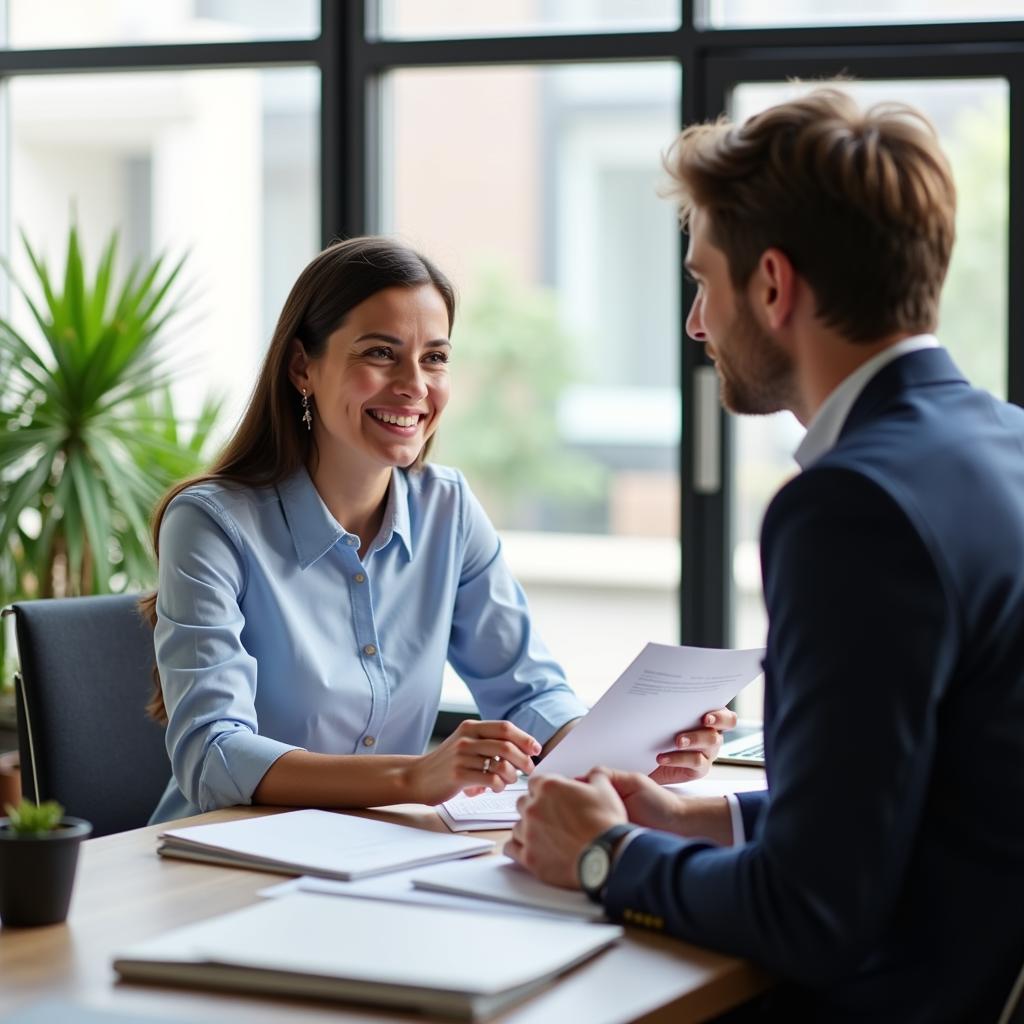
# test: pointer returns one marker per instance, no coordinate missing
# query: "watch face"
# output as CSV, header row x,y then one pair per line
x,y
594,866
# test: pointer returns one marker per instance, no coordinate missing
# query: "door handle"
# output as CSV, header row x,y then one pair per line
x,y
707,432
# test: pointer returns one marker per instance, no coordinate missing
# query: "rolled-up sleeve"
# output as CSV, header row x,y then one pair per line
x,y
494,647
209,680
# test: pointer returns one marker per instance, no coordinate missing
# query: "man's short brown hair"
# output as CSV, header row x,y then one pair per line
x,y
862,203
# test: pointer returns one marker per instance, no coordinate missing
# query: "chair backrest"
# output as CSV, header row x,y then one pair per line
x,y
84,738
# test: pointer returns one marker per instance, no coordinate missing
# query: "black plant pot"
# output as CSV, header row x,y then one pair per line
x,y
37,873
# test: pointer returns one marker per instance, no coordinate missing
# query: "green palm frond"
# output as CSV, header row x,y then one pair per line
x,y
89,436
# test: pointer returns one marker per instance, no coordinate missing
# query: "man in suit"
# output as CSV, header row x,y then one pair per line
x,y
882,874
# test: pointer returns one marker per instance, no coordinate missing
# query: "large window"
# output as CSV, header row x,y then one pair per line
x,y
517,142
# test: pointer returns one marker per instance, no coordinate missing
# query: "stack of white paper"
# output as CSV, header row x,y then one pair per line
x,y
501,880
317,843
396,887
480,813
423,958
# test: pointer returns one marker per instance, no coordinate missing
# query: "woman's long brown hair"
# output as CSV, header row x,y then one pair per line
x,y
269,443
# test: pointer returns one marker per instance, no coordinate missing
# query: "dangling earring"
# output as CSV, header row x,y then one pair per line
x,y
307,415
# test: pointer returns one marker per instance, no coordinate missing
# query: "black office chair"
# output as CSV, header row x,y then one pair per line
x,y
83,736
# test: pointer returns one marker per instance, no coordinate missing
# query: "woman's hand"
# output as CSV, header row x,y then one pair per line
x,y
695,750
475,757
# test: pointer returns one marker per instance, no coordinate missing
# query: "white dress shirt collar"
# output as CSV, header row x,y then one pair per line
x,y
827,423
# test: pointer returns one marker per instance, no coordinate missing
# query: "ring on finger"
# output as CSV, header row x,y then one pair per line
x,y
487,765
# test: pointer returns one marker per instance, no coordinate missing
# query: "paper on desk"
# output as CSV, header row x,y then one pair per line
x,y
665,690
317,842
438,961
397,888
499,880
487,811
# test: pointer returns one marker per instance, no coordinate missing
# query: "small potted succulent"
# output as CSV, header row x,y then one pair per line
x,y
38,857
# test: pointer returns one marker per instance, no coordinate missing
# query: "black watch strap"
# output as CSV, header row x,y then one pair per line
x,y
610,836
605,843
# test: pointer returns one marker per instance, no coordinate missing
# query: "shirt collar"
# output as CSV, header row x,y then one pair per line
x,y
396,522
315,531
827,423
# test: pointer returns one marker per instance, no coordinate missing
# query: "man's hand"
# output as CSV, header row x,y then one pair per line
x,y
651,806
695,749
646,803
558,818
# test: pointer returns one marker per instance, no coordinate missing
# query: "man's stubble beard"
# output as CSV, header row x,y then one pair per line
x,y
756,376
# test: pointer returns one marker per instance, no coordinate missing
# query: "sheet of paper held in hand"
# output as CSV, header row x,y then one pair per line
x,y
665,690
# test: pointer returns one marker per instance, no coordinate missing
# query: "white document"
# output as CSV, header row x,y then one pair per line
x,y
395,888
501,880
426,958
311,842
489,810
664,691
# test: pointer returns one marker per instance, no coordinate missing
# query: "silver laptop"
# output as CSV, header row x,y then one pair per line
x,y
743,745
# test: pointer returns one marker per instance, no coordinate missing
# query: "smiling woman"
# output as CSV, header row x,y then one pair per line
x,y
315,581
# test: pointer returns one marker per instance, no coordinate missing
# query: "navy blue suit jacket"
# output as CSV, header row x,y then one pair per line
x,y
884,873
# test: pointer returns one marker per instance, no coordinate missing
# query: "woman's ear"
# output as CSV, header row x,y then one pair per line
x,y
298,365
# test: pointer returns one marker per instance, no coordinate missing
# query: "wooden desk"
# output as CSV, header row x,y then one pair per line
x,y
125,893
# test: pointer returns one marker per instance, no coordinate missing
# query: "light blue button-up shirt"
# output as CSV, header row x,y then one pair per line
x,y
273,635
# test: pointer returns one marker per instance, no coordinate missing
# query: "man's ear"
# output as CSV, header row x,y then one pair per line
x,y
773,288
298,365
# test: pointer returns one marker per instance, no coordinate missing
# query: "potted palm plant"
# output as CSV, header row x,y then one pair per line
x,y
89,437
38,859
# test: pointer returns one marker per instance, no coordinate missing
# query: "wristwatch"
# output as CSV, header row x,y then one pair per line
x,y
595,863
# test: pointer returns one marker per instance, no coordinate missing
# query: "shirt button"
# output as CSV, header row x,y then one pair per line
x,y
369,650
359,578
352,542
368,741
